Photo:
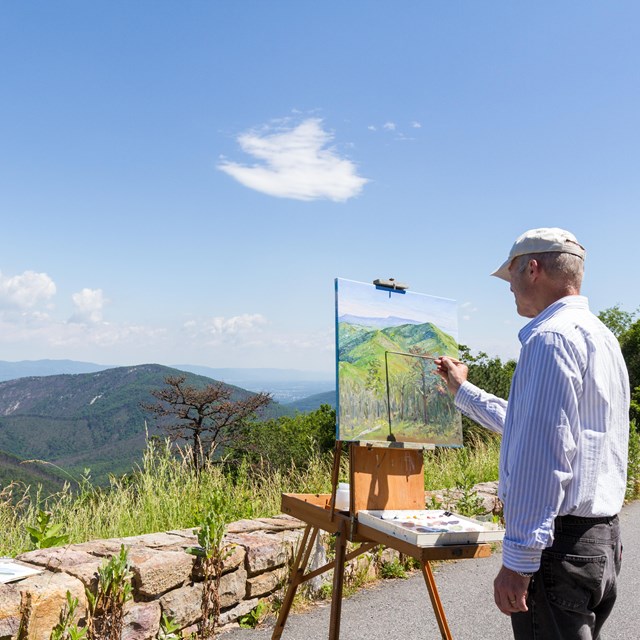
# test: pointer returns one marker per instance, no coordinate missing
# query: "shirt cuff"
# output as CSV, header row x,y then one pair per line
x,y
465,396
519,558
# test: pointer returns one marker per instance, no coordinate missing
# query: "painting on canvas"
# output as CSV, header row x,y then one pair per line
x,y
388,390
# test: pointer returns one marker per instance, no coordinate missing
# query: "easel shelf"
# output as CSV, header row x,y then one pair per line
x,y
314,509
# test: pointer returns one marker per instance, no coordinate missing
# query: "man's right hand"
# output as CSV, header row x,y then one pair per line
x,y
453,372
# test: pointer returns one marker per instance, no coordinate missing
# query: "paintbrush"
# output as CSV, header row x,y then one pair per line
x,y
418,355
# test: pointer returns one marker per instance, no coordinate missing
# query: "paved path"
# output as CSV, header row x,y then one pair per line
x,y
400,609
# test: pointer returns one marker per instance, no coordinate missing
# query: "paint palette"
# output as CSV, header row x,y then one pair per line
x,y
428,528
11,570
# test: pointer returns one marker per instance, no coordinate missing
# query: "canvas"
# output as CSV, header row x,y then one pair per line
x,y
388,390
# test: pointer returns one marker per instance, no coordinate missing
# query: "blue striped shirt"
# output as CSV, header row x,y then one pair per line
x,y
564,430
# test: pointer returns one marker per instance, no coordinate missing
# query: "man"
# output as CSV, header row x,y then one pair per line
x,y
563,456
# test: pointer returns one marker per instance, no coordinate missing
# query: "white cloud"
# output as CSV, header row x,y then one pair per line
x,y
89,304
101,335
416,125
296,163
243,329
26,290
47,337
252,340
389,126
237,324
28,326
372,127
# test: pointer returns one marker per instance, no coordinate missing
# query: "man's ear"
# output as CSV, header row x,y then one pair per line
x,y
534,268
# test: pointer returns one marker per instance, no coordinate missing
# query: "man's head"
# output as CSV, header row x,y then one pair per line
x,y
548,240
544,265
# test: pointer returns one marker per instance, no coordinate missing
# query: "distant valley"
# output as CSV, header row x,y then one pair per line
x,y
285,385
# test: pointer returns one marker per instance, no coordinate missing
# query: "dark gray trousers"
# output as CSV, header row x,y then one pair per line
x,y
574,591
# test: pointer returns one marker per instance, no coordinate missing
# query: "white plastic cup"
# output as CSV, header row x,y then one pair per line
x,y
342,496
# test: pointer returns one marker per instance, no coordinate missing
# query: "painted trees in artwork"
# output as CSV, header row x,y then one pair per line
x,y
385,390
418,395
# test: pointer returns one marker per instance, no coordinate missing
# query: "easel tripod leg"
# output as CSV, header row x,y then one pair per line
x,y
338,582
297,573
435,600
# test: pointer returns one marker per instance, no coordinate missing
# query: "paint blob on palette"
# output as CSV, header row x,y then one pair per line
x,y
426,528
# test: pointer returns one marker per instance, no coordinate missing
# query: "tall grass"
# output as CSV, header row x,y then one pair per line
x,y
462,467
165,493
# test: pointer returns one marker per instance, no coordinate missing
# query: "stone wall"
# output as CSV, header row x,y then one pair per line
x,y
165,578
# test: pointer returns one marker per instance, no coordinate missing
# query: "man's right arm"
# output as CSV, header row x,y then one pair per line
x,y
482,407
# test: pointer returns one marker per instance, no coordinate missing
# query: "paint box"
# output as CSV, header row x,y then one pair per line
x,y
429,528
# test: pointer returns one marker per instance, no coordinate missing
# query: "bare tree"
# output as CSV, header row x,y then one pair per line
x,y
204,417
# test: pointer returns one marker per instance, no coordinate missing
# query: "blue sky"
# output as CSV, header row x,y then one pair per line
x,y
182,182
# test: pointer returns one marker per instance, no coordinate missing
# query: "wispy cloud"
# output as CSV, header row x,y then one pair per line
x,y
101,335
296,163
219,329
396,130
235,324
251,331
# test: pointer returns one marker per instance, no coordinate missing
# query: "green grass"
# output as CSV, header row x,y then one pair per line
x,y
448,468
163,494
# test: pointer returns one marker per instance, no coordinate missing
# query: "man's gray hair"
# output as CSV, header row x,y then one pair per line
x,y
562,267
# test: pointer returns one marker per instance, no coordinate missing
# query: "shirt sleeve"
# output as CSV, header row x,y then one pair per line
x,y
482,407
541,444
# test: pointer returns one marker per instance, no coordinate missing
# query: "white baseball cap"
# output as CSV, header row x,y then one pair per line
x,y
540,241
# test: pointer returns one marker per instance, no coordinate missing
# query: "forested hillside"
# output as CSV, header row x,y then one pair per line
x,y
92,420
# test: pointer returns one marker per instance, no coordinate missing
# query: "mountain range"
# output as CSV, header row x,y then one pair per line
x,y
27,368
362,345
284,385
91,420
377,322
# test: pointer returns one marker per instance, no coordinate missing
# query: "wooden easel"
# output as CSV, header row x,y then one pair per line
x,y
381,477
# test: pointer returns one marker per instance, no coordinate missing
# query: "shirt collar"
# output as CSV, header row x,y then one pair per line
x,y
568,302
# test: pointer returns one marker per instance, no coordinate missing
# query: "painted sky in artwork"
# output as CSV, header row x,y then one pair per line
x,y
360,299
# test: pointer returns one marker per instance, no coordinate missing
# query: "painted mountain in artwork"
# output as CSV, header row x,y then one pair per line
x,y
360,344
393,365
379,322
